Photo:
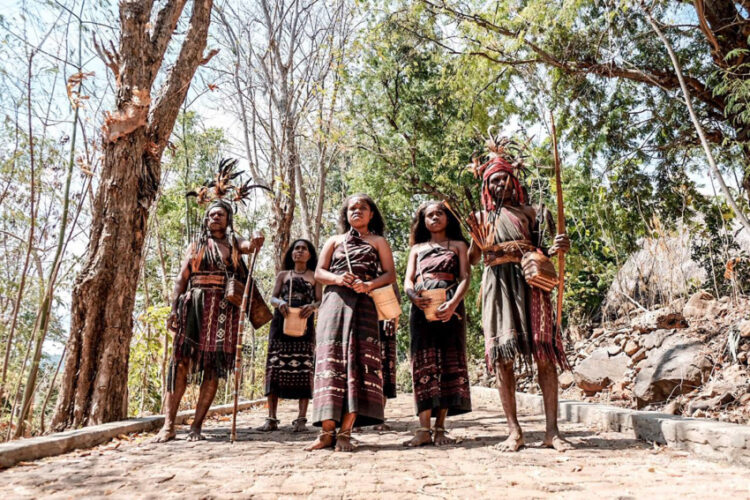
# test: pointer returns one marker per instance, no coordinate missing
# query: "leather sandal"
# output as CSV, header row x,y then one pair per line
x,y
300,420
272,424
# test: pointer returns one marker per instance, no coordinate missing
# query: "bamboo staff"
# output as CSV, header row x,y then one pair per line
x,y
249,289
560,224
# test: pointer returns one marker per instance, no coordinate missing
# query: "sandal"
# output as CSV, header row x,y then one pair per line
x,y
272,424
413,443
299,424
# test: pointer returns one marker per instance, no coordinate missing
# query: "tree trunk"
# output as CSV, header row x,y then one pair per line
x,y
303,203
94,382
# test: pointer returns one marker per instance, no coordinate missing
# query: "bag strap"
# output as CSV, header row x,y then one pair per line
x,y
419,269
346,253
290,288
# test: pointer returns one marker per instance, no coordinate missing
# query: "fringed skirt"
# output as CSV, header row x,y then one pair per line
x,y
206,336
517,319
348,369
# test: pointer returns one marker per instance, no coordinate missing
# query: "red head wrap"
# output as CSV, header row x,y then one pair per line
x,y
495,165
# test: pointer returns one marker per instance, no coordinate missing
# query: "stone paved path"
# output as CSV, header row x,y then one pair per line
x,y
602,465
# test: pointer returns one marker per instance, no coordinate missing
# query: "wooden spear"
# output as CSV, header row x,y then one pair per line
x,y
247,293
560,224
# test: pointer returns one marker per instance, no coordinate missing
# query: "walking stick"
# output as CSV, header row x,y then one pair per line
x,y
560,225
249,289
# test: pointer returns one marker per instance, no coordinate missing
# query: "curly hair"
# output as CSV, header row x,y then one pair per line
x,y
376,225
419,232
311,263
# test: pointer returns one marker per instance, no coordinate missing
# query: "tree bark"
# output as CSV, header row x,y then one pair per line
x,y
94,381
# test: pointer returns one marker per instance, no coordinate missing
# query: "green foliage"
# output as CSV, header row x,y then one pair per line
x,y
430,83
146,356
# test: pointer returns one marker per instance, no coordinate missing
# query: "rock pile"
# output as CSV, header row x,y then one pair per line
x,y
690,358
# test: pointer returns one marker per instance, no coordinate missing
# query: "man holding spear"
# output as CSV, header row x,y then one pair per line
x,y
517,316
205,315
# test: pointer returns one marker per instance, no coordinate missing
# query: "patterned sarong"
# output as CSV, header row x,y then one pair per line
x,y
517,319
290,361
388,353
438,350
207,331
348,369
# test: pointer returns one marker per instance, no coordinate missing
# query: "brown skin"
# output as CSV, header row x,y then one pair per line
x,y
300,256
359,216
436,221
217,224
501,190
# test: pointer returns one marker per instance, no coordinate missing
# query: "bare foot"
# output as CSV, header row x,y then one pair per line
x,y
344,442
382,427
421,437
195,435
514,443
556,442
299,425
165,434
325,440
271,424
441,439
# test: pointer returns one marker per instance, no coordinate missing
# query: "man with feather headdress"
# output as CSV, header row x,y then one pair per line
x,y
204,321
517,317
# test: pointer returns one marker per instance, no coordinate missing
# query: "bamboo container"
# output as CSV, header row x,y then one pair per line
x,y
294,324
545,277
437,298
386,303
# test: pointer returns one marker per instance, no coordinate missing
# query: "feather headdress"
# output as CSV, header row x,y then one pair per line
x,y
225,190
222,187
504,154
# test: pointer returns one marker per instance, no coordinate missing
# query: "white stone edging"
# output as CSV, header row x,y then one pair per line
x,y
706,438
58,443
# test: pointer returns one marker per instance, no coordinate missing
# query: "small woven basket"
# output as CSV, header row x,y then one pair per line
x,y
544,276
437,298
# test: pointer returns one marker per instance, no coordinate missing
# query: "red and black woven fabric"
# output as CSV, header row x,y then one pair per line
x,y
438,350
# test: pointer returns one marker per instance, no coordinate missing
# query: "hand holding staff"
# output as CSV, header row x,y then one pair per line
x,y
247,299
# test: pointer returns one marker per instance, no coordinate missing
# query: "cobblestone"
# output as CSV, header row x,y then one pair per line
x,y
260,465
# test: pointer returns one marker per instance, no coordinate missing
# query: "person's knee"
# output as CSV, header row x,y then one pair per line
x,y
504,372
503,367
546,367
210,381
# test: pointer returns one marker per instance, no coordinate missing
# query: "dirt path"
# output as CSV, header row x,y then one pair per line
x,y
603,465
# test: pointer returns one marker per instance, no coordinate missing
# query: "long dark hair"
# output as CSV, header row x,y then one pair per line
x,y
289,262
420,233
376,225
